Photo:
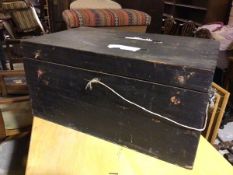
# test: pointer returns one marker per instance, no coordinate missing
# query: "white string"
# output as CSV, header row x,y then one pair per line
x,y
97,81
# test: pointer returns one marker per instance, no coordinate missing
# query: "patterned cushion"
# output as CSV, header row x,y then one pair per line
x,y
22,15
105,18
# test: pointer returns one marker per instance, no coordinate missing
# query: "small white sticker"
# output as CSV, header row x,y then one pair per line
x,y
138,38
123,47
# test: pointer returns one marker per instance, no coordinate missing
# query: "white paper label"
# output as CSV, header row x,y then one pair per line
x,y
123,47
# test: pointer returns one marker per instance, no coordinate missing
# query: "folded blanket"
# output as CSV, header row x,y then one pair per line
x,y
221,33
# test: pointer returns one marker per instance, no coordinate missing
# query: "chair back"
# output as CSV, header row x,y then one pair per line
x,y
13,83
23,16
188,28
216,113
170,26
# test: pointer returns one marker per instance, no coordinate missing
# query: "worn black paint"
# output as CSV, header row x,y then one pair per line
x,y
58,74
191,60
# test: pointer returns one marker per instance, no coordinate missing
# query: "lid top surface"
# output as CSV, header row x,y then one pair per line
x,y
155,48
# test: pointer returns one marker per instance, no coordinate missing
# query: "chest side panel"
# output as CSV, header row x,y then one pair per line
x,y
58,94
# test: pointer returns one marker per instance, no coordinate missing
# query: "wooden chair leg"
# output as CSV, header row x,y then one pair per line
x,y
9,55
2,128
8,28
11,64
3,86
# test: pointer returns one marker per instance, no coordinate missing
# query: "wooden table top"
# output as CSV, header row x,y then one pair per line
x,y
55,149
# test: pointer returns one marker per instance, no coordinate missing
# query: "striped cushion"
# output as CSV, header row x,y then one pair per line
x,y
105,18
22,15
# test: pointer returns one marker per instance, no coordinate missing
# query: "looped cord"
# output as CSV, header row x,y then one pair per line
x,y
97,81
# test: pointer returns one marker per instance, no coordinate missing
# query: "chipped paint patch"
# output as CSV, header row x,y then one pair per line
x,y
175,100
37,54
181,79
156,120
46,82
39,73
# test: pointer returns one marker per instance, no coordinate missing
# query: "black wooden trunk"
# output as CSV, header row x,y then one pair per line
x,y
169,76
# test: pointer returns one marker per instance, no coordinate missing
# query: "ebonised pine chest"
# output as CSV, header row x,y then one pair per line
x,y
147,92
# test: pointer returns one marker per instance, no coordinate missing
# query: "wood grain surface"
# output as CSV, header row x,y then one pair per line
x,y
57,150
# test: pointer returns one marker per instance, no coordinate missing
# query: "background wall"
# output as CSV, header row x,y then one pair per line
x,y
153,7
